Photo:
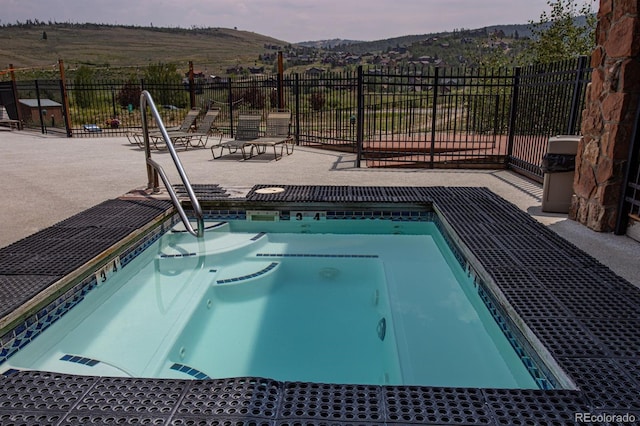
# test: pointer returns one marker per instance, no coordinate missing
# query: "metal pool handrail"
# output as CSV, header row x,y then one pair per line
x,y
154,169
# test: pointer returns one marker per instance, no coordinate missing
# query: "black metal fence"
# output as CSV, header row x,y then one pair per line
x,y
418,117
629,207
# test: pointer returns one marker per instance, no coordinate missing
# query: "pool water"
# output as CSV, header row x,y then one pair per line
x,y
362,302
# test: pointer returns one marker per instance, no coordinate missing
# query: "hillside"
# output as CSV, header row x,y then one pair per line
x,y
211,49
111,49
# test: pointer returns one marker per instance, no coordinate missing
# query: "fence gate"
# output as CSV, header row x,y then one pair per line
x,y
628,220
435,117
548,101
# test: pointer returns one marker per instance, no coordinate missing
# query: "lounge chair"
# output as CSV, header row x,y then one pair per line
x,y
247,130
137,138
197,138
278,135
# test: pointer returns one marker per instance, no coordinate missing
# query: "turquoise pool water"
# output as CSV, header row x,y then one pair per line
x,y
363,302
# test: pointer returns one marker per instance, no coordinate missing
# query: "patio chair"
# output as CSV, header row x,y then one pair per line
x,y
136,137
247,130
197,138
278,135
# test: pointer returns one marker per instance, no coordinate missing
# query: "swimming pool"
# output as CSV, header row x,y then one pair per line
x,y
380,302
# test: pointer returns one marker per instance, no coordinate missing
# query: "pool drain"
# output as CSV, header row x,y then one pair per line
x,y
182,352
270,190
329,273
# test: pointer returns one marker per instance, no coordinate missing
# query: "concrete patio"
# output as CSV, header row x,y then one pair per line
x,y
49,178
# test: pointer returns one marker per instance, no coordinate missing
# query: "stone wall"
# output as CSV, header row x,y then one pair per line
x,y
608,118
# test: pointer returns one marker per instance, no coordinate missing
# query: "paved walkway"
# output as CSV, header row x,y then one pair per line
x,y
48,178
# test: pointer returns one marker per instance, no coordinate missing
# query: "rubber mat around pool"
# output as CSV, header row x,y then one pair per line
x,y
585,315
30,265
350,194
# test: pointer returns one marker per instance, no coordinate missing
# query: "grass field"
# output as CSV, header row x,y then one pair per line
x,y
212,49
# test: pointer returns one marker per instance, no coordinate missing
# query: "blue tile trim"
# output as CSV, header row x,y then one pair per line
x,y
224,215
80,360
246,277
132,252
532,366
410,216
543,380
190,371
360,256
452,245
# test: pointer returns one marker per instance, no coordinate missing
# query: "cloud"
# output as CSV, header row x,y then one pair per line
x,y
288,20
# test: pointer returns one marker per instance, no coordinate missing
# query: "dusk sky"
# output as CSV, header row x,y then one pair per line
x,y
287,20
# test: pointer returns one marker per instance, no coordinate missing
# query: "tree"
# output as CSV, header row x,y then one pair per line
x,y
567,31
165,84
82,80
129,93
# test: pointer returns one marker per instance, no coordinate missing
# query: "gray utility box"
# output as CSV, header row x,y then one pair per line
x,y
558,166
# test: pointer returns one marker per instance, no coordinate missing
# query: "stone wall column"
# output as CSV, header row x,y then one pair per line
x,y
607,121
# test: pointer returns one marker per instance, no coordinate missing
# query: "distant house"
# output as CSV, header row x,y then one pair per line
x,y
256,70
196,74
51,110
235,70
352,59
314,71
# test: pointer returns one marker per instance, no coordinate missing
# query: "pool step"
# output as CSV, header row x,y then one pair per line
x,y
181,245
244,272
86,366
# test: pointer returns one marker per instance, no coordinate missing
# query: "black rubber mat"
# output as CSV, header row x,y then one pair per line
x,y
413,405
203,192
343,194
511,407
587,317
29,265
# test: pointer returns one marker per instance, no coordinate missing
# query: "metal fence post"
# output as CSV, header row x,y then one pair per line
x,y
434,111
513,111
360,116
192,87
230,100
280,80
65,100
296,89
43,127
576,102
